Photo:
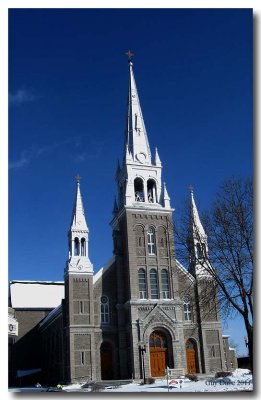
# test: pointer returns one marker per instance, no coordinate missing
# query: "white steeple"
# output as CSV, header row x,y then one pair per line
x,y
78,217
78,236
136,139
196,226
139,178
198,244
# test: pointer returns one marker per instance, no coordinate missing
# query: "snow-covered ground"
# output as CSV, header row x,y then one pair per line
x,y
241,380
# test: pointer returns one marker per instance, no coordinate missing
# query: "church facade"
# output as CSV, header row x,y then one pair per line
x,y
143,311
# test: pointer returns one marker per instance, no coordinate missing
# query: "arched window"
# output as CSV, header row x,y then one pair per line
x,y
158,339
140,236
162,237
76,247
151,241
165,284
151,190
83,247
139,190
187,308
105,317
142,283
154,290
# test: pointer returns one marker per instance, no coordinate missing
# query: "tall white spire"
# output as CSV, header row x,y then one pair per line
x,y
136,139
139,178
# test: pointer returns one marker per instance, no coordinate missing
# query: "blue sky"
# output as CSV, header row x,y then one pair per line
x,y
68,78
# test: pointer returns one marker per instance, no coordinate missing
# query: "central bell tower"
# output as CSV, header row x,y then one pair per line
x,y
139,178
144,251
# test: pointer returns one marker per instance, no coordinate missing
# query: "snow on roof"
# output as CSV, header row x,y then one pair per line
x,y
183,269
36,294
101,271
24,372
51,315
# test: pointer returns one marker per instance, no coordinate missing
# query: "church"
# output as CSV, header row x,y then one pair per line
x,y
141,312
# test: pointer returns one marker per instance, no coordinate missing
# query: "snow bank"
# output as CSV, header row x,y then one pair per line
x,y
240,380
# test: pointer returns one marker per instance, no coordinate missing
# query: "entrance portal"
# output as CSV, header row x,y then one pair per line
x,y
191,354
106,361
158,353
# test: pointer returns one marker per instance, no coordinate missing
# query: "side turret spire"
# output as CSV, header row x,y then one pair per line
x,y
198,243
166,197
78,218
78,237
157,158
196,226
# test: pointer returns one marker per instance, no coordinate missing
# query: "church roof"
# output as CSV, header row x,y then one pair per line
x,y
36,294
56,311
103,269
184,270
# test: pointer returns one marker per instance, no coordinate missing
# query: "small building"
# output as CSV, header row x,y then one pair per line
x,y
229,354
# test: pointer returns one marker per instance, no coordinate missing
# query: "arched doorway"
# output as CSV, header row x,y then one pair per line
x,y
158,353
106,361
191,355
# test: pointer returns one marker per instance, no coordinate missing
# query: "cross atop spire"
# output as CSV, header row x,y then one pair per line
x,y
129,54
190,188
78,177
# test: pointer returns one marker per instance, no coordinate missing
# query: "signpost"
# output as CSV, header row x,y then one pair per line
x,y
168,375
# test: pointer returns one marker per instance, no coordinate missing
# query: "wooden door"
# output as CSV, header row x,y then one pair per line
x,y
191,357
158,362
158,353
191,361
106,361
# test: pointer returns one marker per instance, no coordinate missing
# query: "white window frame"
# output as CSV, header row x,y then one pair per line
x,y
187,308
105,310
151,237
165,285
154,292
142,292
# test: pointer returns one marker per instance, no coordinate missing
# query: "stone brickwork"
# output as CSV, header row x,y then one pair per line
x,y
79,333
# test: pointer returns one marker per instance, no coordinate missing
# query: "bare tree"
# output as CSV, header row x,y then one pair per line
x,y
229,257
